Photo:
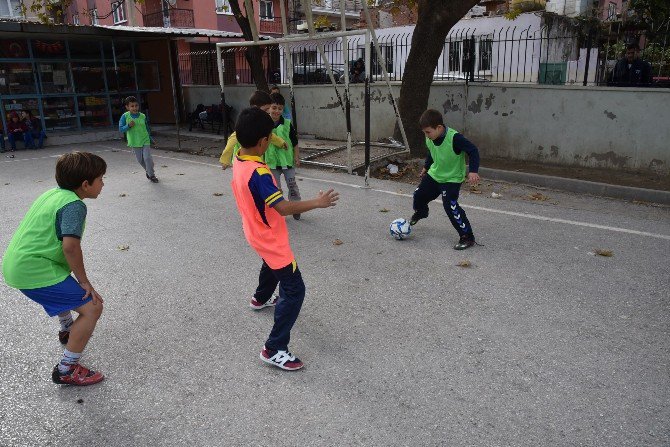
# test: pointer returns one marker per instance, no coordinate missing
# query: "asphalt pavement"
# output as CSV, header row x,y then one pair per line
x,y
539,342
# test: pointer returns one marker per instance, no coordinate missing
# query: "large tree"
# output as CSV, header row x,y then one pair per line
x,y
435,18
254,55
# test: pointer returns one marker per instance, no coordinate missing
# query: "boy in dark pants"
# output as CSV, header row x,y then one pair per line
x,y
263,208
443,173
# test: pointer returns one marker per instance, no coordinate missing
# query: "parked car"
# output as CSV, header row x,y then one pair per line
x,y
315,74
457,77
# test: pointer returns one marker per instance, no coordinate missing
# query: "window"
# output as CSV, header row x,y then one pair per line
x,y
55,77
485,53
304,56
454,56
17,78
266,11
118,12
10,8
611,11
93,14
223,7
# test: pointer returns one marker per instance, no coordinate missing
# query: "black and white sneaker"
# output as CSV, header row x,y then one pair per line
x,y
281,359
415,218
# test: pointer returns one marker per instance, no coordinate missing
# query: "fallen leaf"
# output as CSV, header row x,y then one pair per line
x,y
164,166
6,184
123,247
538,196
218,194
81,401
464,263
122,194
39,181
134,172
475,191
180,173
337,242
604,253
384,210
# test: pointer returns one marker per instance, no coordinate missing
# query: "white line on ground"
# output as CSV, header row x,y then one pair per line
x,y
479,208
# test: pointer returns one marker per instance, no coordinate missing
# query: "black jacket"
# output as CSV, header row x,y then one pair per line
x,y
636,75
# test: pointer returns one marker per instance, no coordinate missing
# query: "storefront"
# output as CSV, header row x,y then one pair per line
x,y
74,78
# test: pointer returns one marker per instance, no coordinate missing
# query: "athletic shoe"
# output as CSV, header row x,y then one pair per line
x,y
296,216
153,178
78,375
281,359
415,218
257,305
466,241
63,337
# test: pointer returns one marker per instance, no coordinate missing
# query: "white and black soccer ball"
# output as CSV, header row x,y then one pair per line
x,y
400,229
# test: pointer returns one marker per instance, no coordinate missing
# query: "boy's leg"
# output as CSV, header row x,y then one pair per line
x,y
139,156
12,141
28,141
293,191
427,191
276,173
457,215
292,294
82,328
40,139
148,161
2,143
267,283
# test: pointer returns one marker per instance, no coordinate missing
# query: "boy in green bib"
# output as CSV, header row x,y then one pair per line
x,y
284,161
46,249
443,173
136,127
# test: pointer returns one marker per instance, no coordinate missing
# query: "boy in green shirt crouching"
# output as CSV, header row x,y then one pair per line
x,y
46,249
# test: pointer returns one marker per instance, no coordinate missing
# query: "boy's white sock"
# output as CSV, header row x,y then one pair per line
x,y
66,320
68,360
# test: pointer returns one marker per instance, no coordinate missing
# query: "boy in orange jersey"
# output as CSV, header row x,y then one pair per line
x,y
263,208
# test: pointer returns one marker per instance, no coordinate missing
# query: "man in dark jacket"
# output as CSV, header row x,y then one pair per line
x,y
631,71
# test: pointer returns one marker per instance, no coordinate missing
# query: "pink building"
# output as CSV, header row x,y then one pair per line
x,y
611,10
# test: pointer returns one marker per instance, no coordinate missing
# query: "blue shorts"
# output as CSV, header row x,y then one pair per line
x,y
66,295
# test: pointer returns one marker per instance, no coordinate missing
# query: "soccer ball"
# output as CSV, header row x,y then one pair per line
x,y
400,229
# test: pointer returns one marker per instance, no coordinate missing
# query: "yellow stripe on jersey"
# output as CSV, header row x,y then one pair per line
x,y
273,198
262,171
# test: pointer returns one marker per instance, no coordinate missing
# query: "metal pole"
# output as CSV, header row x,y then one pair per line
x,y
368,69
174,94
288,57
347,104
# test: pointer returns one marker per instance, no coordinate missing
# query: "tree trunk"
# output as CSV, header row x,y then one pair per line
x,y
435,19
254,55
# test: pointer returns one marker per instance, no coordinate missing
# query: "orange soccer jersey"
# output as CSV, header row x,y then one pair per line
x,y
256,193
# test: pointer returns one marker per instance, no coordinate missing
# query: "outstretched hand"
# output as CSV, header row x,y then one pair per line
x,y
328,198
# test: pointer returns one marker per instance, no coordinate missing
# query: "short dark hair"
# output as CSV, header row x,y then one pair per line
x,y
431,118
75,167
252,125
260,99
274,87
277,98
633,46
128,99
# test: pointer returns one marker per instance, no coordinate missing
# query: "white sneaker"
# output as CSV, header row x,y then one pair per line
x,y
257,305
281,359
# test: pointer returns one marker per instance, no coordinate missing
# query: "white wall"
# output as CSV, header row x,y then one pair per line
x,y
574,126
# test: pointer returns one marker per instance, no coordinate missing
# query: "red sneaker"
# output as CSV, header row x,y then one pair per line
x,y
281,359
63,337
257,305
78,375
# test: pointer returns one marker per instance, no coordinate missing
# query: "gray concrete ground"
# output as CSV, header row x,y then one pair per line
x,y
539,343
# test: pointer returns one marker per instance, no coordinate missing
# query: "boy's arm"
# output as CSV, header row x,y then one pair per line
x,y
278,141
75,258
323,200
426,164
462,144
226,158
123,126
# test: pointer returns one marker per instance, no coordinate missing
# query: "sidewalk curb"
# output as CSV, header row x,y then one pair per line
x,y
579,186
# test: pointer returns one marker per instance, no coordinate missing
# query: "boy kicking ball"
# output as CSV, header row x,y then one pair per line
x,y
443,173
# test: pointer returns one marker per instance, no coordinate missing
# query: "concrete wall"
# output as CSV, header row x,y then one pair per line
x,y
576,126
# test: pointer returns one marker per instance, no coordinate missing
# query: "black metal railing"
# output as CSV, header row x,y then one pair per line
x,y
170,18
510,55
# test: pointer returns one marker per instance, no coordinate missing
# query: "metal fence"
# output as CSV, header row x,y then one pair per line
x,y
512,54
